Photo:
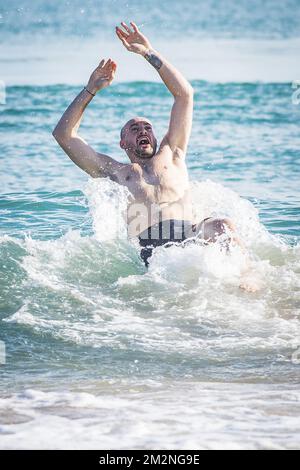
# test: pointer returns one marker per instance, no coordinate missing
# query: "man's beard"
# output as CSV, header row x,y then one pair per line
x,y
145,154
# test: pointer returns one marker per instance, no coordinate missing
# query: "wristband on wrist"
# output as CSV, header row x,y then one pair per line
x,y
85,88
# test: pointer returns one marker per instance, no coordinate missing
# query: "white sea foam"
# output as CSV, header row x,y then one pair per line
x,y
107,203
171,416
186,315
107,278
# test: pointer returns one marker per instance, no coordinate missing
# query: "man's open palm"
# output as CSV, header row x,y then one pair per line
x,y
103,75
134,41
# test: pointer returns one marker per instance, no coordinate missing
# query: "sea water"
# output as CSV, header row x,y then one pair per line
x,y
96,351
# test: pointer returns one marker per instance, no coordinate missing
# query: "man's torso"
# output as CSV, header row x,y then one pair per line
x,y
159,191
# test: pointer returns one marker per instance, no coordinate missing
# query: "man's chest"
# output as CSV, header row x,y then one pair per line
x,y
162,181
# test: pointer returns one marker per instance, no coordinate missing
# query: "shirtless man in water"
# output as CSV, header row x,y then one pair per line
x,y
160,210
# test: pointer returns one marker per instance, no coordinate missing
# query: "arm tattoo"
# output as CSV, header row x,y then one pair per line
x,y
153,59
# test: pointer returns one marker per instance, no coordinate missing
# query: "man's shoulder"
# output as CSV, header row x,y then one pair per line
x,y
112,168
126,172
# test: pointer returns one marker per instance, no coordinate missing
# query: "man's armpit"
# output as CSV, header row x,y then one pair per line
x,y
108,167
178,154
176,151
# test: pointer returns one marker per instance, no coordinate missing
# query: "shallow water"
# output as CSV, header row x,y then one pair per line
x,y
177,356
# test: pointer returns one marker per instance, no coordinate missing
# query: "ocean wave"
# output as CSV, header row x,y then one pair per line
x,y
93,291
166,416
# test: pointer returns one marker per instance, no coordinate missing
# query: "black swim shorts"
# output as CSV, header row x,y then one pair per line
x,y
167,232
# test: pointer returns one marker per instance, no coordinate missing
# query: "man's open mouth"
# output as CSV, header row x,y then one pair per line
x,y
144,141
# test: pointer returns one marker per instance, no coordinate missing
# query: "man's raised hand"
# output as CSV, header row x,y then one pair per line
x,y
134,41
102,76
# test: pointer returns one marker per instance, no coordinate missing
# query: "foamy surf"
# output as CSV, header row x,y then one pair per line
x,y
179,327
107,277
101,352
164,415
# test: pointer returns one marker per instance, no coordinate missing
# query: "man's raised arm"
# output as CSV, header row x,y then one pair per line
x,y
182,112
94,163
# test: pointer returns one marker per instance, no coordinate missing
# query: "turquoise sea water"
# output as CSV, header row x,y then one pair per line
x,y
99,352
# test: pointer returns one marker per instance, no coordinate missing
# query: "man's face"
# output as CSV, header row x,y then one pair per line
x,y
138,137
